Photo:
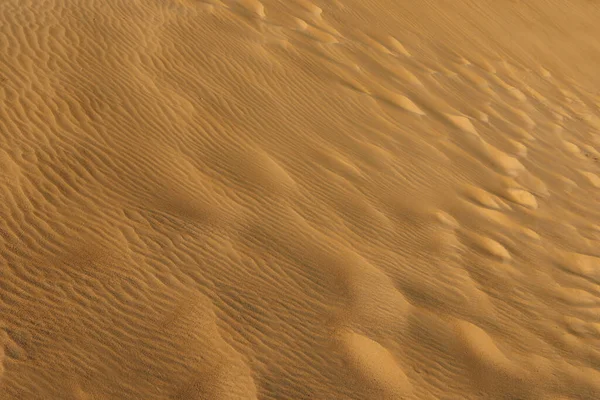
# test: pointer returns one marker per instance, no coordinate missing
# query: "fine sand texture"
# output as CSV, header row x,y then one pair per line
x,y
299,200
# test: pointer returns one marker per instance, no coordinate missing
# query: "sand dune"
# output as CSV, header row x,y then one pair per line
x,y
243,199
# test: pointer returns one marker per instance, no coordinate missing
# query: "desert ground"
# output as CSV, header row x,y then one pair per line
x,y
298,199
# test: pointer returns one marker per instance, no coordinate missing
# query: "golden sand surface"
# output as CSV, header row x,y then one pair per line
x,y
328,199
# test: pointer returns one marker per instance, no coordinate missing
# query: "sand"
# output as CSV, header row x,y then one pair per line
x,y
344,199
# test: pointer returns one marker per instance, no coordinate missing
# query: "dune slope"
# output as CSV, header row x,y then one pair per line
x,y
243,199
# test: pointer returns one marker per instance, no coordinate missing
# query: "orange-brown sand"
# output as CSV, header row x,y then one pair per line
x,y
299,199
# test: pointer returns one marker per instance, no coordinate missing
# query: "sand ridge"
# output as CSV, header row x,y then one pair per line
x,y
244,199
